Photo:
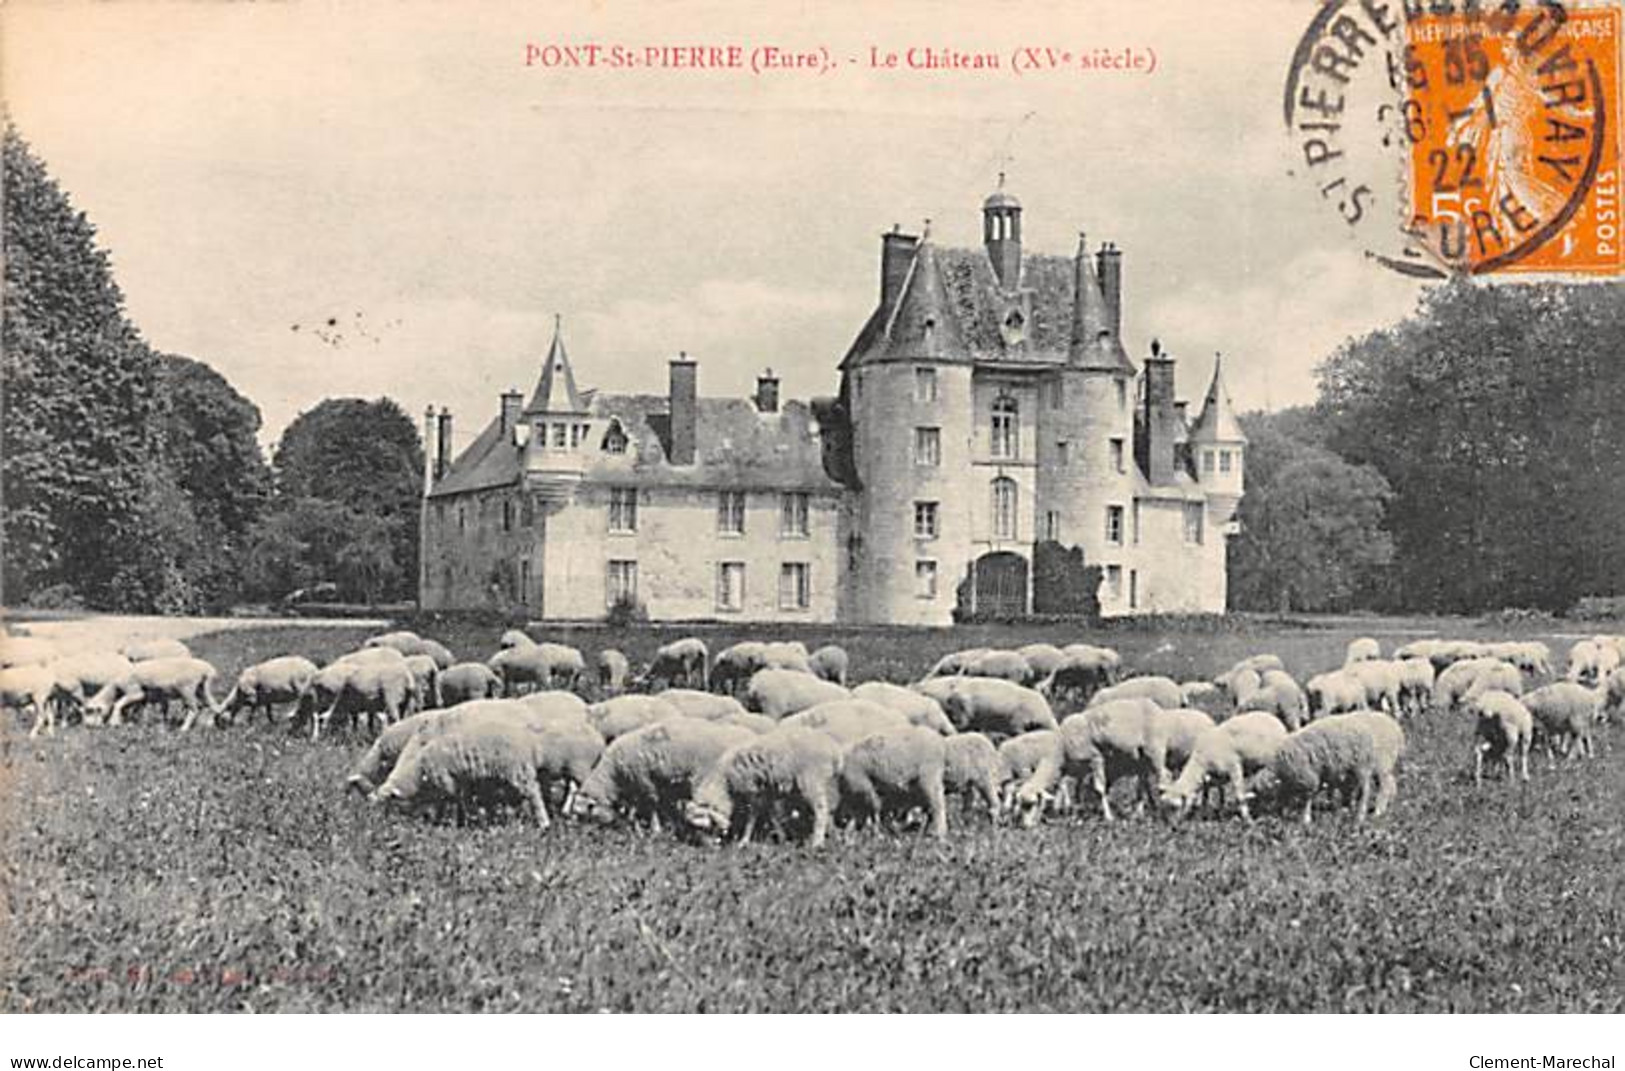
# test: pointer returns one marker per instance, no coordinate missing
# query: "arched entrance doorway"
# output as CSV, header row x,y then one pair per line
x,y
999,585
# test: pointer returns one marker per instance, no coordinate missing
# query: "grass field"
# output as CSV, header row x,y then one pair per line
x,y
144,870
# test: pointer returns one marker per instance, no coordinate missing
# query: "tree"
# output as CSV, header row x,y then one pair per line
x,y
1311,523
81,399
1494,414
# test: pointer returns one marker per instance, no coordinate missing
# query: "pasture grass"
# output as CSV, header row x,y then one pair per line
x,y
144,870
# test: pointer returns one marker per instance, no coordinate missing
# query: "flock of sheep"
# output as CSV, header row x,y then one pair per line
x,y
768,732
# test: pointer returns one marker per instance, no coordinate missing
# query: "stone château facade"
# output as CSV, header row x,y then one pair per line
x,y
986,405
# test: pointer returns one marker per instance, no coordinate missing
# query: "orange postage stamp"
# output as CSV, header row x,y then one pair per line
x,y
1512,117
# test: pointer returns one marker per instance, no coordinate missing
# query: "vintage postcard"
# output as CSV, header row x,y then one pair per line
x,y
1083,507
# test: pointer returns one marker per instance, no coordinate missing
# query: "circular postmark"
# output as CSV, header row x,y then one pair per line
x,y
1464,136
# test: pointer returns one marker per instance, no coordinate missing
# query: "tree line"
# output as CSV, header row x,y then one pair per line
x,y
134,479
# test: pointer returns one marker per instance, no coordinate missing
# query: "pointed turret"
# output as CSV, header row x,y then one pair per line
x,y
556,390
922,324
1217,444
1094,346
1217,422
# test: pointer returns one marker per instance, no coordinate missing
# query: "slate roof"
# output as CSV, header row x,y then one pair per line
x,y
556,389
1217,422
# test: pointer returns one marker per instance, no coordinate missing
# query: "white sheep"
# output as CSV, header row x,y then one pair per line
x,y
1334,693
1228,754
1591,661
1613,690
1001,665
1381,682
1160,690
465,767
1259,663
465,681
652,771
996,707
1496,674
1122,736
1564,713
541,665
1084,670
831,663
734,666
1531,657
28,689
953,664
1240,684
378,690
1204,695
623,714
789,767
375,764
535,713
614,669
684,662
1353,751
847,719
425,681
1044,659
778,693
80,676
547,708
1504,730
1280,695
1021,756
158,680
790,654
893,770
1415,684
760,724
24,650
917,707
515,638
151,650
399,640
261,686
974,770
1364,649
703,705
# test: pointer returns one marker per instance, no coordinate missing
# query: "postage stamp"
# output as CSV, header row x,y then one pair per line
x,y
1496,142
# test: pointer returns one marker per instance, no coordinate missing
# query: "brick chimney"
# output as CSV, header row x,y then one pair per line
x,y
896,254
442,450
1155,434
1109,266
767,392
512,400
684,409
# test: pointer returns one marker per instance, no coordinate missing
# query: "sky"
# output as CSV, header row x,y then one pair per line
x,y
399,170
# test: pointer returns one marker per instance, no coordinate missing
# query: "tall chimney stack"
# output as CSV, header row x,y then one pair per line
x,y
896,254
431,468
684,409
767,392
442,448
511,402
1109,266
1155,436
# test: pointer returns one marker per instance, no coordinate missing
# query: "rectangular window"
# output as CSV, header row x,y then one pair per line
x,y
524,580
1136,522
925,520
1117,455
795,586
730,585
731,512
793,519
1057,394
1063,453
622,582
507,515
1004,508
928,446
577,433
462,518
925,580
1114,582
1207,462
1224,461
1133,588
1052,526
527,512
1114,525
623,509
1193,522
1005,437
561,434
925,384
1122,394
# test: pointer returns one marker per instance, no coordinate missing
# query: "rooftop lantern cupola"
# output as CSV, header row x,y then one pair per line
x,y
1001,234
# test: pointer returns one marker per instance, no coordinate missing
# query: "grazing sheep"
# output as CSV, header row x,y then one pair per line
x,y
1364,649
760,724
1204,695
1613,701
369,689
375,765
435,650
1160,690
1495,674
1352,751
1228,754
1241,685
1259,663
1021,756
652,771
471,765
614,668
847,719
1045,659
548,708
1002,665
81,676
778,693
1334,693
894,770
703,705
682,662
28,689
425,681
467,680
996,707
1504,731
1280,695
734,666
623,714
953,664
260,687
1591,661
158,680
787,655
974,770
917,707
1381,682
1415,684
1564,714
795,767
1107,741
399,640
830,663
24,650
515,638
541,665
150,650
1532,657
1084,670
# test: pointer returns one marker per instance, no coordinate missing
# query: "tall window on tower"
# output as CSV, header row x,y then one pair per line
x,y
1006,429
925,384
1004,508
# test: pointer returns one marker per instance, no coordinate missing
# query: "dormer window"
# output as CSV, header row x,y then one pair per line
x,y
614,439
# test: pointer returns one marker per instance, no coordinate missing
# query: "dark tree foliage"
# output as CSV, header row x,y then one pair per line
x,y
1062,583
81,425
349,480
1311,523
1495,413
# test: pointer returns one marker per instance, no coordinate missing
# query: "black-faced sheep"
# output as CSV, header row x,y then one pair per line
x,y
1503,732
788,767
831,663
1228,754
894,770
652,771
778,693
1355,752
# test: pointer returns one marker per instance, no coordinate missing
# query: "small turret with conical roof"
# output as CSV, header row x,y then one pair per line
x,y
1217,442
554,453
